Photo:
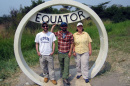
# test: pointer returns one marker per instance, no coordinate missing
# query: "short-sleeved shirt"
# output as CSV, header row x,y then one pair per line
x,y
45,41
81,42
64,44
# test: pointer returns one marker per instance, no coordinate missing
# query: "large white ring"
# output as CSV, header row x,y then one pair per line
x,y
102,32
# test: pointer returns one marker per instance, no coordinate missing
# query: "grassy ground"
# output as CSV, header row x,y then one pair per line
x,y
117,59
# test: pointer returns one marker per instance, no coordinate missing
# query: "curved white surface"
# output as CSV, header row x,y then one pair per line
x,y
102,32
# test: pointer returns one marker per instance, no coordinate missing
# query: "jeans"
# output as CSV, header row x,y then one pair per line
x,y
64,61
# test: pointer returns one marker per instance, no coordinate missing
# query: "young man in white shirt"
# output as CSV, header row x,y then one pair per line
x,y
44,41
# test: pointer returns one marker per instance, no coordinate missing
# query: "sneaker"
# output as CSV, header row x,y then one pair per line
x,y
54,82
79,76
45,80
86,80
66,81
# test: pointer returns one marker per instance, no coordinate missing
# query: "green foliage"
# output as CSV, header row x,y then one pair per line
x,y
99,9
119,29
31,56
35,3
115,13
119,36
92,30
6,48
27,41
108,28
4,19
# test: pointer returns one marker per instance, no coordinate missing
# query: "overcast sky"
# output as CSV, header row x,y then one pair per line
x,y
7,5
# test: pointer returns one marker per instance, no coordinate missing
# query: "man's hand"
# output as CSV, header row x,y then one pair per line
x,y
69,54
90,49
74,54
38,53
52,28
52,53
90,53
53,25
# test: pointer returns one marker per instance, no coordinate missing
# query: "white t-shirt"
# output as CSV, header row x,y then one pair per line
x,y
45,41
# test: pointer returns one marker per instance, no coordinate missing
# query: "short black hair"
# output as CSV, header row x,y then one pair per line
x,y
44,23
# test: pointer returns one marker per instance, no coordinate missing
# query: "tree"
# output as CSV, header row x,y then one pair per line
x,y
100,9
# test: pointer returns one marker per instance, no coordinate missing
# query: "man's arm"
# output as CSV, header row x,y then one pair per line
x,y
53,50
74,50
52,28
38,53
71,48
90,49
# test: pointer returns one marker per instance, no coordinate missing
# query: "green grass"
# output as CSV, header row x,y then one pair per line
x,y
7,68
6,48
118,37
31,57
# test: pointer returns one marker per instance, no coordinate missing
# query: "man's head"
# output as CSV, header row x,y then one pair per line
x,y
45,26
63,26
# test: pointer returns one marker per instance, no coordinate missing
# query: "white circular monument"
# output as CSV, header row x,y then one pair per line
x,y
89,12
